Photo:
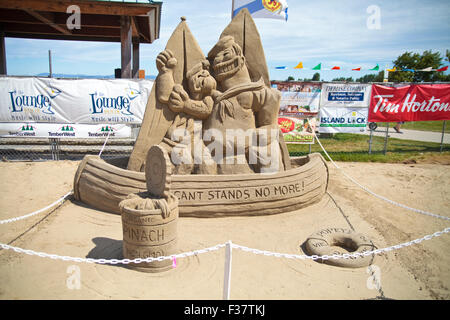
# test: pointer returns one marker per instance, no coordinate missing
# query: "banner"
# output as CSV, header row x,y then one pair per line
x,y
63,130
89,101
297,130
345,95
349,120
424,102
299,106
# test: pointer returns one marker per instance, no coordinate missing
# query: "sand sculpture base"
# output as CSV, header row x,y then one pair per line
x,y
104,185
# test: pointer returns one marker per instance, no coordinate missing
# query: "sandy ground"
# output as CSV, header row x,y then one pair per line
x,y
418,272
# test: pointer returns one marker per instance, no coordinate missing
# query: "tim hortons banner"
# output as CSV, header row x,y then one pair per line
x,y
424,102
64,131
87,101
345,95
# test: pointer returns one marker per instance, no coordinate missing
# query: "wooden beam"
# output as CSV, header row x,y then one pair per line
x,y
125,41
86,6
2,54
99,38
136,57
47,21
43,29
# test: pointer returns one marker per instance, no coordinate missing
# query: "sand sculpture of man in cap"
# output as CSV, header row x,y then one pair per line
x,y
243,105
181,138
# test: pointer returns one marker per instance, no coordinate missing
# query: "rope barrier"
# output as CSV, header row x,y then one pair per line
x,y
375,194
38,211
54,203
219,246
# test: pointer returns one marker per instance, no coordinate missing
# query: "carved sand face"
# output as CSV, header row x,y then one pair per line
x,y
227,63
202,82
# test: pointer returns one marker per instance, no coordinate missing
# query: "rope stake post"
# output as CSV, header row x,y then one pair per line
x,y
442,137
370,141
386,138
227,273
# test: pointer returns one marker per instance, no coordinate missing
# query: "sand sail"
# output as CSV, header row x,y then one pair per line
x,y
158,117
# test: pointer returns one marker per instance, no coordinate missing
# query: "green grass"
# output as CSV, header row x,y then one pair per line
x,y
354,148
435,126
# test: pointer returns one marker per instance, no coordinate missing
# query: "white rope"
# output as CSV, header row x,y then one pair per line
x,y
219,246
341,256
38,211
377,195
104,144
54,203
110,261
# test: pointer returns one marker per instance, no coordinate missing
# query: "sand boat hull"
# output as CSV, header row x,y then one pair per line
x,y
103,185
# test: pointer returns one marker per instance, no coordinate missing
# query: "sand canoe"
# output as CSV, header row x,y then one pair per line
x,y
102,185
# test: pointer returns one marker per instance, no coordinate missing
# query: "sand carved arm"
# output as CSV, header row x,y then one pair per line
x,y
165,62
180,102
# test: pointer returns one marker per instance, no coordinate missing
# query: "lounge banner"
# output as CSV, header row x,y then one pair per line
x,y
425,102
87,101
345,95
64,131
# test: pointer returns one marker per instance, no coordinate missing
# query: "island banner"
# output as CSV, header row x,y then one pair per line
x,y
424,102
299,108
343,107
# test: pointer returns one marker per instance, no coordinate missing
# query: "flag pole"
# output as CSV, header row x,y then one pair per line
x,y
232,8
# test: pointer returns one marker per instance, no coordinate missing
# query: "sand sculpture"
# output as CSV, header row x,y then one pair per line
x,y
322,242
215,118
149,219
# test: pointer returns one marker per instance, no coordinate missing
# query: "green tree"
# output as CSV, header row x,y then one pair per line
x,y
371,77
349,79
290,78
417,61
316,77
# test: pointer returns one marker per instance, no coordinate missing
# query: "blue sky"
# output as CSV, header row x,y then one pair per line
x,y
333,32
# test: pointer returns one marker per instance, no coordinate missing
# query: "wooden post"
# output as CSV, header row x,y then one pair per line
x,y
135,57
125,41
50,73
227,273
2,53
370,141
443,133
386,138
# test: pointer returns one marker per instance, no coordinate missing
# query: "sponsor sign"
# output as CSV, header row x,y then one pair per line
x,y
350,120
299,108
296,130
63,130
87,101
345,95
410,103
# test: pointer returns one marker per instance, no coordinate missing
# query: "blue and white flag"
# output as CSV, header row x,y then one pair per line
x,y
263,8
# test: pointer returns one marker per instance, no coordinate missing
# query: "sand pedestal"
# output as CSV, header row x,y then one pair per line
x,y
149,230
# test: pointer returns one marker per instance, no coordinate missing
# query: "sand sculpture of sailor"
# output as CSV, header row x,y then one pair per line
x,y
186,94
243,106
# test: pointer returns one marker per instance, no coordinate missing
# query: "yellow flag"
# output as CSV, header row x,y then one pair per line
x,y
392,70
299,66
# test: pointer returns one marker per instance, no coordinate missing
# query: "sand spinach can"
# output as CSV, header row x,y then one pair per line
x,y
149,230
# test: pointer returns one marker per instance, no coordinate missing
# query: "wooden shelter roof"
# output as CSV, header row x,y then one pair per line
x,y
100,20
